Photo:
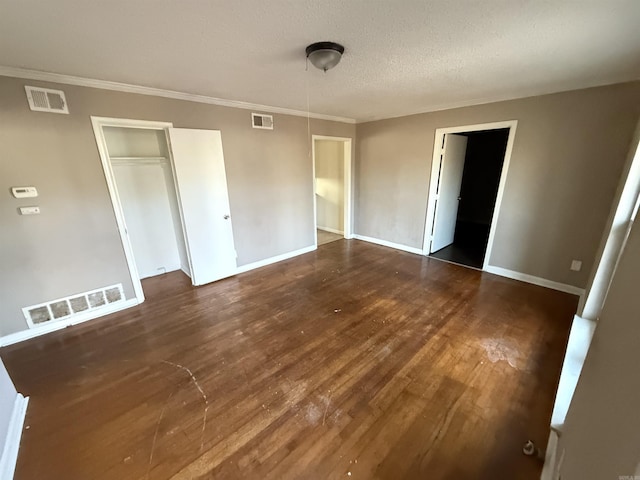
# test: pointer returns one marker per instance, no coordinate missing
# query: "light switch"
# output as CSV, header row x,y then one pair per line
x,y
29,210
576,265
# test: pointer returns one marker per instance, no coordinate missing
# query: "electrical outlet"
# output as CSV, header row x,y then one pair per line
x,y
576,265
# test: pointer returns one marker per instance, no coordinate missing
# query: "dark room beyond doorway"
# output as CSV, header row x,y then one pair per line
x,y
483,162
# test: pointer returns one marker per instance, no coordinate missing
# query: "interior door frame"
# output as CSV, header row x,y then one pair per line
x,y
348,186
98,123
435,177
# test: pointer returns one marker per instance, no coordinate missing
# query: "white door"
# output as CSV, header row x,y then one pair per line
x,y
142,188
201,185
448,194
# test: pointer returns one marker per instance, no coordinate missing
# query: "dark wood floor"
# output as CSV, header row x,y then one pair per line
x,y
355,361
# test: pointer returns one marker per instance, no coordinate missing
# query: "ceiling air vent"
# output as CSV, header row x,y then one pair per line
x,y
260,120
46,100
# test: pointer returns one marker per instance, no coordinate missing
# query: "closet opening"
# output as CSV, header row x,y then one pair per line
x,y
144,182
138,169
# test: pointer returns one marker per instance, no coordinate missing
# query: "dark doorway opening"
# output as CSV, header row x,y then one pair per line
x,y
483,162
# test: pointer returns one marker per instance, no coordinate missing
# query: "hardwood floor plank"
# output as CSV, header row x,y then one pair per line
x,y
354,358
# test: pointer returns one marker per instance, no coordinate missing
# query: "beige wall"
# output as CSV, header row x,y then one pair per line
x,y
601,436
330,184
135,142
73,245
567,159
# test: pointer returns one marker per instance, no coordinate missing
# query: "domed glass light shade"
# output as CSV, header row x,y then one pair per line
x,y
325,55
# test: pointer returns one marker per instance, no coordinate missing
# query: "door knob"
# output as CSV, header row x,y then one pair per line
x,y
226,217
459,198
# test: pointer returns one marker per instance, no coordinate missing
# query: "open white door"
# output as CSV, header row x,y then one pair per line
x,y
201,185
448,193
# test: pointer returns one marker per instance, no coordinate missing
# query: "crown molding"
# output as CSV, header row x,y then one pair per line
x,y
530,93
158,92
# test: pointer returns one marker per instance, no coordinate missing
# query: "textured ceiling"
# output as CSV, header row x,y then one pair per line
x,y
402,57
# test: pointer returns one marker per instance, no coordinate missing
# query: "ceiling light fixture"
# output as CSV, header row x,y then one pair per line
x,y
325,55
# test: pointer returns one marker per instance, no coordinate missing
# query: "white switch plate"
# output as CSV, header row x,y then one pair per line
x,y
24,192
576,265
29,210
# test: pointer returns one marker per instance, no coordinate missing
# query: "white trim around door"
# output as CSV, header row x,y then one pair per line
x,y
435,170
98,123
348,184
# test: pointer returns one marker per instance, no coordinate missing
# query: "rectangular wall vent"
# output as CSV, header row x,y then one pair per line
x,y
72,306
46,100
260,120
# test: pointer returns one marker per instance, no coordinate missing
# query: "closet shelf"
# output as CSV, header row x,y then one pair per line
x,y
155,159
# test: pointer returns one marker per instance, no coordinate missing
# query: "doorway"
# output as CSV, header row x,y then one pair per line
x,y
468,175
332,188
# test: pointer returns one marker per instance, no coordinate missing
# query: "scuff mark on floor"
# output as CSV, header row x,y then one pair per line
x,y
313,414
155,435
328,402
384,352
497,350
204,397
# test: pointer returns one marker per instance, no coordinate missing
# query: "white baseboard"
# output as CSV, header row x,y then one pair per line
x,y
331,230
277,258
53,326
384,243
543,282
12,442
503,272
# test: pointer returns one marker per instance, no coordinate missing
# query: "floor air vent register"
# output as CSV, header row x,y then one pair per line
x,y
73,306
